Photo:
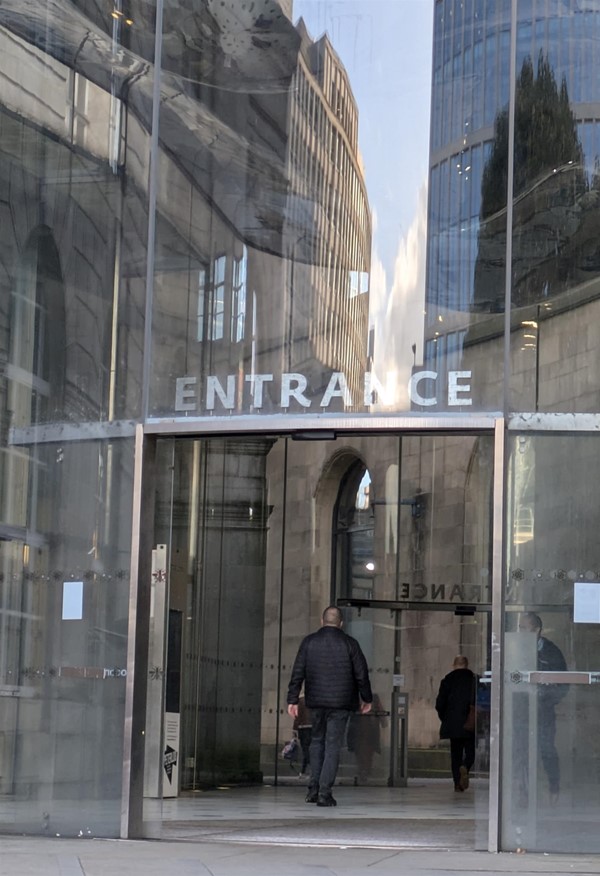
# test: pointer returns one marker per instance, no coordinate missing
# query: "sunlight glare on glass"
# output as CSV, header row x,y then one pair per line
x,y
363,492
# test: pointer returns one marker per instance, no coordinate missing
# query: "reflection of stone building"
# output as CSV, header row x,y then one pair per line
x,y
329,268
278,280
233,203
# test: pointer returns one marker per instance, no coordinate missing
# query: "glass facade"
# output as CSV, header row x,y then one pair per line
x,y
297,305
552,767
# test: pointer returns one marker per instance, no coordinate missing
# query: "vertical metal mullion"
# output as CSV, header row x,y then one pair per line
x,y
152,196
398,665
497,666
200,599
142,532
281,595
509,202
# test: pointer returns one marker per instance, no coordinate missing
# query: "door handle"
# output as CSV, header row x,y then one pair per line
x,y
566,677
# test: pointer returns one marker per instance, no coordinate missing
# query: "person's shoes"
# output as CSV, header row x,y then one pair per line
x,y
464,778
312,797
326,800
459,788
554,796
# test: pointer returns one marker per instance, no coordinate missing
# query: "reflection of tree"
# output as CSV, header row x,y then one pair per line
x,y
545,136
549,185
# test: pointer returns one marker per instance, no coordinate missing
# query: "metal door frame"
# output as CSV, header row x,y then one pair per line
x,y
313,427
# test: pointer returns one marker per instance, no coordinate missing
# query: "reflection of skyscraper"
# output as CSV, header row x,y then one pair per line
x,y
556,148
470,84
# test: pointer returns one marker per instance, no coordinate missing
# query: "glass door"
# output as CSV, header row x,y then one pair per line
x,y
409,652
254,537
551,761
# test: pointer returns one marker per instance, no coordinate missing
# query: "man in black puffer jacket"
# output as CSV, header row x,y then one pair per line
x,y
335,675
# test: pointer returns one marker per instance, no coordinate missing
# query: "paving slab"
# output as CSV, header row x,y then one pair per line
x,y
39,856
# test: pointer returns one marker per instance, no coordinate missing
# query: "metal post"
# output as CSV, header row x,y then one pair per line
x,y
399,740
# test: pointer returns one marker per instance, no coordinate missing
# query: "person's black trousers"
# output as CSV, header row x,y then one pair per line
x,y
462,753
328,729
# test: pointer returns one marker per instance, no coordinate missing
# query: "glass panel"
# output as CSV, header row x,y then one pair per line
x,y
551,754
208,634
64,601
407,523
400,743
258,536
283,147
555,267
75,118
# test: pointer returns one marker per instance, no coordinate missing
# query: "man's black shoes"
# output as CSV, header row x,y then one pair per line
x,y
326,800
320,799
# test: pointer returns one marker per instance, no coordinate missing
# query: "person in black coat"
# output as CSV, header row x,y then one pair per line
x,y
453,705
334,672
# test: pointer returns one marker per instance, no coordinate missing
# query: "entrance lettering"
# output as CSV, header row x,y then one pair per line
x,y
423,389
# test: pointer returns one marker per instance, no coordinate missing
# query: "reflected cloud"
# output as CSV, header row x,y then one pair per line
x,y
397,306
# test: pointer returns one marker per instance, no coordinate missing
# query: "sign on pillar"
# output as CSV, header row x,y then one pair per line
x,y
171,755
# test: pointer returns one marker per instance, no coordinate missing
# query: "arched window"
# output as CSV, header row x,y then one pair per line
x,y
353,530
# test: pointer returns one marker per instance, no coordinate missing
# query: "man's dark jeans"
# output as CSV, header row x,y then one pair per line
x,y
328,728
462,753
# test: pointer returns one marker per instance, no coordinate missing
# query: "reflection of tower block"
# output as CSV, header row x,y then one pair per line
x,y
520,740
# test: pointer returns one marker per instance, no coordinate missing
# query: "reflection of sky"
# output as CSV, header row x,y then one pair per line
x,y
385,46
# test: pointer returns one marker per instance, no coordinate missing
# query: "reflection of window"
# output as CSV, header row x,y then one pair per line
x,y
200,315
359,283
218,311
238,297
362,494
444,353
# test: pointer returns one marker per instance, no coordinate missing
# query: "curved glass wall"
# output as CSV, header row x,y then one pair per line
x,y
329,233
217,209
304,264
75,115
291,257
